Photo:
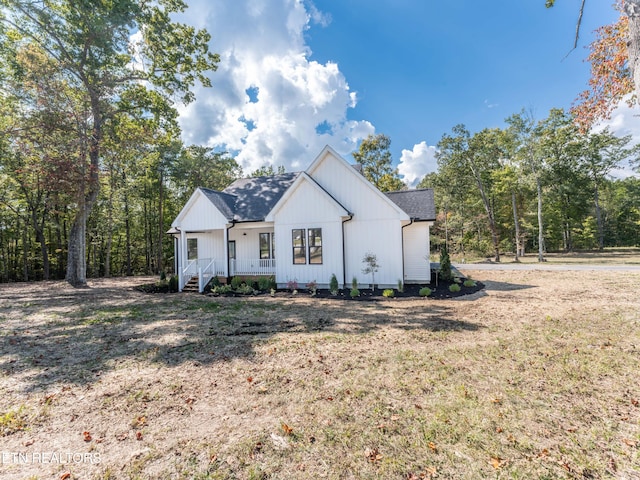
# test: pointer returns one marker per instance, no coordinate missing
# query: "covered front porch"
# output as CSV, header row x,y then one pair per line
x,y
241,249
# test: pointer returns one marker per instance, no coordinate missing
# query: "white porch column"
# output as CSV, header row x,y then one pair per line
x,y
226,251
182,259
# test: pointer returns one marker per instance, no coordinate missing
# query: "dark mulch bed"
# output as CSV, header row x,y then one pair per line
x,y
441,291
409,292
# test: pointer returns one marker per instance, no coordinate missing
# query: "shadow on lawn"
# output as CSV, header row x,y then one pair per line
x,y
75,336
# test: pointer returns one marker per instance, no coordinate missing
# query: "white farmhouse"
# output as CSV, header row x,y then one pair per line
x,y
305,226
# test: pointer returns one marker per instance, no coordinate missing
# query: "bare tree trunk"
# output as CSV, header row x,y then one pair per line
x,y
596,198
540,223
160,226
516,223
632,9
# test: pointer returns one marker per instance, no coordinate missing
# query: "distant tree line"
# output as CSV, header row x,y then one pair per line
x,y
534,186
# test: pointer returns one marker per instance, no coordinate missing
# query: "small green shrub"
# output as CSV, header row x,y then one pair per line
x,y
469,283
333,285
354,293
173,283
400,286
354,283
445,265
264,284
236,282
424,292
245,289
388,293
454,287
215,281
221,289
163,276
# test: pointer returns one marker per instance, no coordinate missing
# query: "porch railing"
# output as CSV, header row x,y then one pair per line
x,y
203,268
255,266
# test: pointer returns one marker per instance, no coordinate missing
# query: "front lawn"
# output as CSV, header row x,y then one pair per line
x,y
536,376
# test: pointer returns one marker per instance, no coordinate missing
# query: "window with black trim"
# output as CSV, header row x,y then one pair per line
x,y
307,246
267,245
299,247
315,246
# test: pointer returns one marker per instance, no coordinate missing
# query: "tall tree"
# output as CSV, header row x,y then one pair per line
x,y
92,43
199,166
374,155
476,157
602,152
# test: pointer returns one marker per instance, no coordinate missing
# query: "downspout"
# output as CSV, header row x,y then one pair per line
x,y
344,257
402,246
226,249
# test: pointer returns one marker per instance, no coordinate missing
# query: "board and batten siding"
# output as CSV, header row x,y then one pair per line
x,y
417,266
202,215
348,186
210,245
383,238
308,207
375,226
248,239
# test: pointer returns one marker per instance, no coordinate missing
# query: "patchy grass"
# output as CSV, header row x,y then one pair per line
x,y
534,377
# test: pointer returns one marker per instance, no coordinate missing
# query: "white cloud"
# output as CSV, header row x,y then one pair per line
x,y
624,121
415,164
263,50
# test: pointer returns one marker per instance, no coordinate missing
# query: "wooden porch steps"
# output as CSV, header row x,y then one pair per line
x,y
191,286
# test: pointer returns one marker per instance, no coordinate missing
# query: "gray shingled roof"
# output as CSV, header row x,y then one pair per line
x,y
250,199
418,204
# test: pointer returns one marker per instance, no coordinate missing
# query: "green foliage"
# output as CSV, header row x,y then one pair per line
x,y
371,266
445,265
354,293
400,286
267,171
245,289
222,289
469,283
388,293
237,281
333,285
374,155
265,283
354,283
454,288
424,292
173,283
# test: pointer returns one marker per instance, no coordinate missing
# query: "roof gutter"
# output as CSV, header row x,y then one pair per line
x,y
344,257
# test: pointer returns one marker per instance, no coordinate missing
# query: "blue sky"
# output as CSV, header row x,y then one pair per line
x,y
296,75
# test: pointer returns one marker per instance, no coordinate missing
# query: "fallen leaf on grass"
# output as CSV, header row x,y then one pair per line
x,y
87,437
635,402
287,429
498,463
140,421
433,447
28,443
373,454
630,443
121,437
543,453
65,476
